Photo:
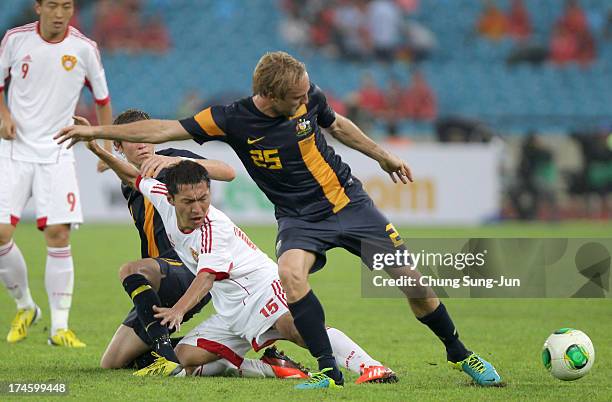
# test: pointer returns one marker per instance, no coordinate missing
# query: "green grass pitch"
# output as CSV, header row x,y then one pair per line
x,y
509,333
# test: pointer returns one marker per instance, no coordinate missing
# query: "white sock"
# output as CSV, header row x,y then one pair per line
x,y
212,369
59,282
347,353
14,275
249,368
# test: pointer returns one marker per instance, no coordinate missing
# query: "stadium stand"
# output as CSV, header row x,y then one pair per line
x,y
215,43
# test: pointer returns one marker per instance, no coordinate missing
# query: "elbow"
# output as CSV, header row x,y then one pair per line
x,y
229,174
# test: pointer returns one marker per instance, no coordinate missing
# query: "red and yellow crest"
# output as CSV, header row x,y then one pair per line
x,y
195,254
68,62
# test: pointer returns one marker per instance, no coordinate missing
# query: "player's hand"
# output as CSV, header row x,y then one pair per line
x,y
152,166
8,131
74,134
397,169
169,316
81,121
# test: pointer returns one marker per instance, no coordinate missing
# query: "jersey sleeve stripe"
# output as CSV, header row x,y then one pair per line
x,y
207,123
219,276
149,229
323,173
102,102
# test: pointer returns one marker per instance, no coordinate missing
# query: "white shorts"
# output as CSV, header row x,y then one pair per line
x,y
216,336
52,185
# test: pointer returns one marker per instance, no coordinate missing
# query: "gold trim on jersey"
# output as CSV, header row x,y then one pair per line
x,y
206,121
149,228
323,173
300,112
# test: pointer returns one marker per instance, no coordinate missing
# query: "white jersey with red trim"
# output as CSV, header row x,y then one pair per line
x,y
45,84
221,248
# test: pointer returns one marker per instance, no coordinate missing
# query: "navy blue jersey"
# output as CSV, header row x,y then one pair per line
x,y
288,158
153,239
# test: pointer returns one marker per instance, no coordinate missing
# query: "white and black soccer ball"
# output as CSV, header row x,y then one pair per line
x,y
568,354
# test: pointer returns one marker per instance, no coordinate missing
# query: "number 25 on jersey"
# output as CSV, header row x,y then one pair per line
x,y
266,158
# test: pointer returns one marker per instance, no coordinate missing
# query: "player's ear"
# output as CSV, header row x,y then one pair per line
x,y
170,199
37,6
117,146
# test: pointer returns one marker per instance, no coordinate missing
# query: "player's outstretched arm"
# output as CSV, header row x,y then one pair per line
x,y
126,172
199,288
152,131
345,131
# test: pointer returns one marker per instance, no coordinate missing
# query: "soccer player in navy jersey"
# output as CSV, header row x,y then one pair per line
x,y
319,204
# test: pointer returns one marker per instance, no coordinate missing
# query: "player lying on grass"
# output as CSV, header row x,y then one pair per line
x,y
251,308
166,275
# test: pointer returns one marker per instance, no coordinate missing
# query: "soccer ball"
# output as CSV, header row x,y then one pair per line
x,y
568,354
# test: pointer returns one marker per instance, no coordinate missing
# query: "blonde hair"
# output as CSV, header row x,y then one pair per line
x,y
276,73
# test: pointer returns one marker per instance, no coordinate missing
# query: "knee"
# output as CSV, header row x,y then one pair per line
x,y
128,269
58,235
291,278
6,234
106,362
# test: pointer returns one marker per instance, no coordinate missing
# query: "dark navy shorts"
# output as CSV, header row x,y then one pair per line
x,y
359,228
176,278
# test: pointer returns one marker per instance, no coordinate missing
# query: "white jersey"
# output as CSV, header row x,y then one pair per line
x,y
218,247
45,84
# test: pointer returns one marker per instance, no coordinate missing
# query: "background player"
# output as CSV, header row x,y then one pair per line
x,y
47,62
319,205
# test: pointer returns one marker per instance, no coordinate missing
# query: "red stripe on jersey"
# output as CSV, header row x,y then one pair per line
x,y
137,184
203,237
14,220
220,350
102,102
219,276
159,192
99,102
77,34
209,232
7,250
243,288
41,223
279,292
24,28
53,43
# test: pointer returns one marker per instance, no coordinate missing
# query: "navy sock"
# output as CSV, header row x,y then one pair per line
x,y
309,319
441,324
144,297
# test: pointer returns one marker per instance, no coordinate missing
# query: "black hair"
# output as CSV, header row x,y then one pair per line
x,y
185,172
